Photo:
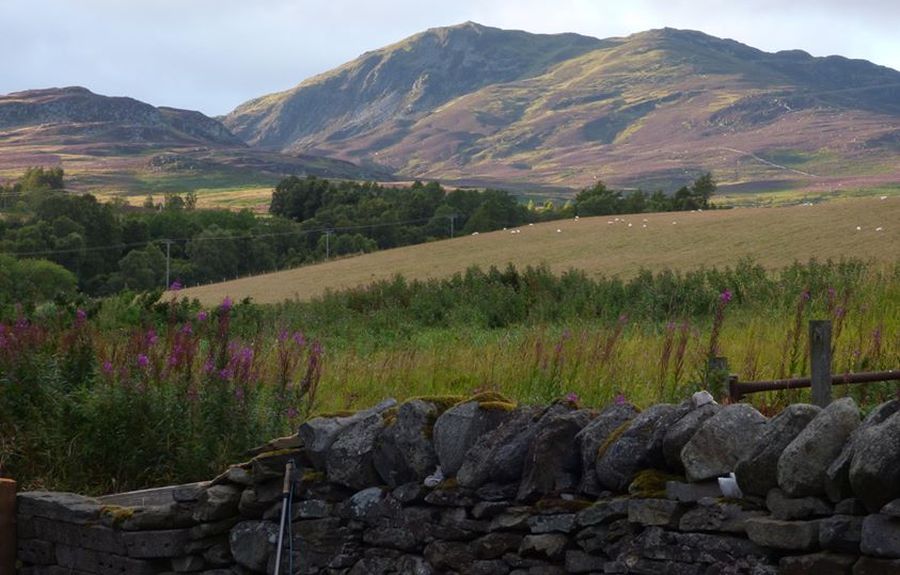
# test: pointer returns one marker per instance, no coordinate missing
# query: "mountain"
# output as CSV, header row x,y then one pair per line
x,y
480,105
112,142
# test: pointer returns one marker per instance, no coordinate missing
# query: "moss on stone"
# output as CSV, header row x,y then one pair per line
x,y
497,405
333,414
441,402
117,514
275,453
389,416
612,438
651,484
488,397
449,483
311,476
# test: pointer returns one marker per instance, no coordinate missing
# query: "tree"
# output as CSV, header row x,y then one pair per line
x,y
143,269
598,200
40,179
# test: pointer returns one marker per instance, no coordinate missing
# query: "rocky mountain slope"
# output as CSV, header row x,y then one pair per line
x,y
119,142
476,104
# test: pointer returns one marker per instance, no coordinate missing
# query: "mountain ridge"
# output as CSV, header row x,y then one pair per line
x,y
653,108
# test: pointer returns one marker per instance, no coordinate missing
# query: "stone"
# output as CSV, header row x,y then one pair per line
x,y
656,543
391,538
448,555
218,502
802,465
553,463
662,512
451,496
499,455
457,429
513,519
841,533
851,506
787,508
498,491
594,435
891,508
489,509
67,507
837,476
93,537
151,517
580,562
875,467
218,554
350,459
366,504
603,511
273,464
788,535
79,560
563,523
683,430
36,552
757,470
488,567
547,546
156,544
311,509
188,564
404,452
414,565
872,566
189,492
713,515
692,492
720,442
638,447
496,545
881,536
318,433
817,563
252,542
410,493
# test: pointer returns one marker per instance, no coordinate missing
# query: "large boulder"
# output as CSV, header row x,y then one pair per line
x,y
592,437
720,442
875,468
318,433
802,465
683,430
499,455
458,428
837,476
757,470
404,451
252,542
351,458
553,463
639,446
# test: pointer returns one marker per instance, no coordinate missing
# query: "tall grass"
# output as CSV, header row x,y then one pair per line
x,y
129,392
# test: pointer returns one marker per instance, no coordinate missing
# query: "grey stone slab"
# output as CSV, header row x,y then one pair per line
x,y
787,535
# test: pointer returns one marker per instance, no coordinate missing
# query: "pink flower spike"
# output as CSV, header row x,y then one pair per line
x,y
725,296
226,304
202,315
143,360
572,397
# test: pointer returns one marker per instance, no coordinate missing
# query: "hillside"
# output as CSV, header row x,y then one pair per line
x,y
474,104
120,143
610,245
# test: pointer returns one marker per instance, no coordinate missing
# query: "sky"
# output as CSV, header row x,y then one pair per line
x,y
211,55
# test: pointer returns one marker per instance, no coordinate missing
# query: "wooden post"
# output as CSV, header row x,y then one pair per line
x,y
820,361
7,526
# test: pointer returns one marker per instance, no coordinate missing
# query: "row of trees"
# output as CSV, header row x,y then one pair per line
x,y
109,247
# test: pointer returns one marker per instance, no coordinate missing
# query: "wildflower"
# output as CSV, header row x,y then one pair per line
x,y
298,338
143,360
151,338
572,397
726,296
202,315
226,304
107,367
176,285
620,399
292,413
80,317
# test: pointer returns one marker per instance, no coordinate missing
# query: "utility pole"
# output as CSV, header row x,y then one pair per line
x,y
452,223
328,243
168,259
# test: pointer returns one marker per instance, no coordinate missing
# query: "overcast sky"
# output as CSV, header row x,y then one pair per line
x,y
211,55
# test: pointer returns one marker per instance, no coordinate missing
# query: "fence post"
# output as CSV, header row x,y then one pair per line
x,y
7,526
820,361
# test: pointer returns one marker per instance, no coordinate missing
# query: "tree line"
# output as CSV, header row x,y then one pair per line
x,y
103,248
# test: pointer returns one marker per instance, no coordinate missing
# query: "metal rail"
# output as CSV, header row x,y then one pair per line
x,y
738,389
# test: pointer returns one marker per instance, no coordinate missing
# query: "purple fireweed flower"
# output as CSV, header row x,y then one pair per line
x,y
107,367
226,373
176,285
202,315
725,296
292,413
209,366
80,316
187,329
620,399
226,304
298,338
282,335
152,338
143,360
805,295
572,397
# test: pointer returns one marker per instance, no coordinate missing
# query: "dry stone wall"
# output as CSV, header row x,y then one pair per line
x,y
483,486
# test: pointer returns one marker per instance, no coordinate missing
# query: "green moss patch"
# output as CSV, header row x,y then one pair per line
x,y
651,484
612,438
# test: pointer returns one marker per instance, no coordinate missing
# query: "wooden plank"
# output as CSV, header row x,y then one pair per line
x,y
7,526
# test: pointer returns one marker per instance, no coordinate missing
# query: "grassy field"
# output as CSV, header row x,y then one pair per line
x,y
621,246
